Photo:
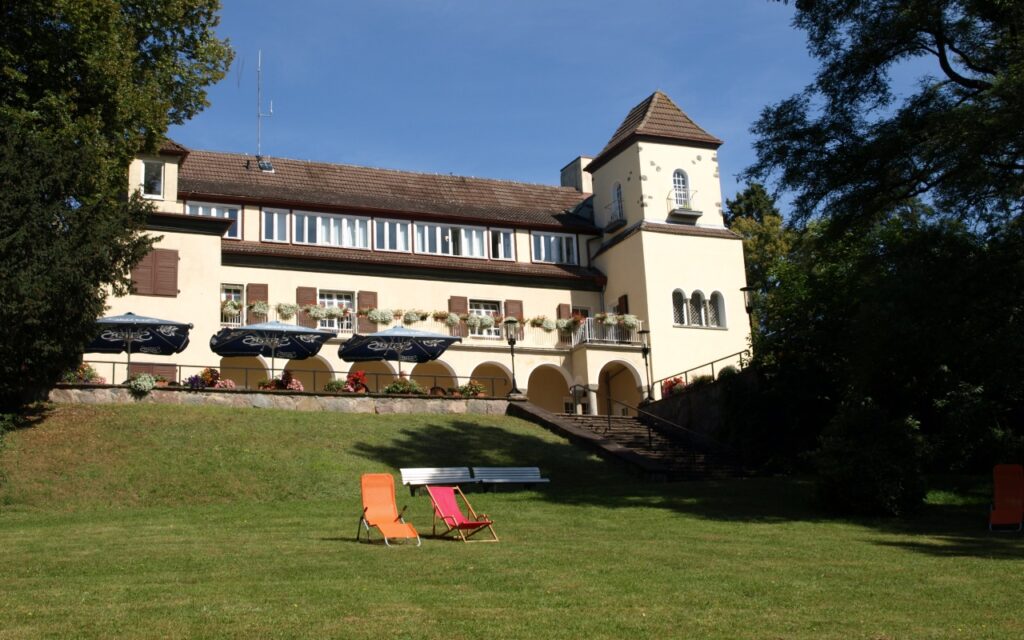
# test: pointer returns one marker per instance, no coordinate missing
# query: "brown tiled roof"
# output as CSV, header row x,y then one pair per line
x,y
172,148
655,117
298,184
412,261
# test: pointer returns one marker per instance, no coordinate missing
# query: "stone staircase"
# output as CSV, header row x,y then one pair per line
x,y
675,459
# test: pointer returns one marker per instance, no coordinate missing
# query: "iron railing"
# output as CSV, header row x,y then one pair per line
x,y
740,359
594,331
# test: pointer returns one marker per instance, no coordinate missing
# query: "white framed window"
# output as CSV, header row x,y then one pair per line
x,y
678,307
489,308
617,210
331,230
557,248
391,235
681,189
340,299
583,312
152,179
275,225
449,240
234,293
218,211
503,244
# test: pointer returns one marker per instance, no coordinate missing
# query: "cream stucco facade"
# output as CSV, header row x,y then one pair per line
x,y
639,262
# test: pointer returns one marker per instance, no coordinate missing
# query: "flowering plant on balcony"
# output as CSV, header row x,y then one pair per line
x,y
224,383
404,386
141,384
548,325
472,388
672,385
285,383
337,313
629,321
453,320
316,311
286,310
380,316
261,307
356,382
479,322
411,316
231,307
440,316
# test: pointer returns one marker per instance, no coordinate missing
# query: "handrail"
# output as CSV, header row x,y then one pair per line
x,y
685,374
647,414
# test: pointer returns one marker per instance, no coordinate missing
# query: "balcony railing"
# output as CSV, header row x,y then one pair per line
x,y
594,331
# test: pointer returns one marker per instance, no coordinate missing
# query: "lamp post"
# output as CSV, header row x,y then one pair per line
x,y
645,350
511,328
748,302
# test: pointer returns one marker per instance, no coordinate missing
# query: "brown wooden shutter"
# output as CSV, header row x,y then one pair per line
x,y
305,296
564,311
256,293
142,276
514,309
139,367
623,303
458,305
168,371
366,300
166,276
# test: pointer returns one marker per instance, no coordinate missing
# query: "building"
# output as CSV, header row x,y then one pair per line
x,y
635,232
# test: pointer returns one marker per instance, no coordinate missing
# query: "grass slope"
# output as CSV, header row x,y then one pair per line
x,y
146,521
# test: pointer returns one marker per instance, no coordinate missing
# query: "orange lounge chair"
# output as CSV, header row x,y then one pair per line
x,y
448,511
1008,501
380,511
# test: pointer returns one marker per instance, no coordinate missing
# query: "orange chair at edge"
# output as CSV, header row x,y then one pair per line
x,y
1008,499
380,511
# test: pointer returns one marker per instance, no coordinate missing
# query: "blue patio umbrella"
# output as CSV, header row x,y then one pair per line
x,y
398,343
270,339
139,334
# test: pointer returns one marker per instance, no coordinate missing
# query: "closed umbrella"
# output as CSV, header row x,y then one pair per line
x,y
398,343
270,339
139,334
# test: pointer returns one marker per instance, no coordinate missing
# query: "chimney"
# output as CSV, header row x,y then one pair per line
x,y
574,176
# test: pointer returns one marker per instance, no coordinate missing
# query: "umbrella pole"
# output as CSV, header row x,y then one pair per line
x,y
128,374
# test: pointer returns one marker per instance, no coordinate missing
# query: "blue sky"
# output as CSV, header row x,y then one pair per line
x,y
508,90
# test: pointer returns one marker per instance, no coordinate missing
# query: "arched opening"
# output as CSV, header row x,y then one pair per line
x,y
716,310
678,307
698,311
246,372
495,377
379,374
548,388
681,189
434,374
313,373
618,389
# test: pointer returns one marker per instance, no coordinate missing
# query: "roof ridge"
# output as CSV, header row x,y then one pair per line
x,y
391,170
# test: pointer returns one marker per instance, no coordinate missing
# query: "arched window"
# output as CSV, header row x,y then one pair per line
x,y
716,310
698,310
617,212
681,187
678,307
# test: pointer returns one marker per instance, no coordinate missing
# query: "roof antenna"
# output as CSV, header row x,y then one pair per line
x,y
263,163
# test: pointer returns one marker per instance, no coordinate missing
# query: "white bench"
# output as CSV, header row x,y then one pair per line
x,y
508,475
421,476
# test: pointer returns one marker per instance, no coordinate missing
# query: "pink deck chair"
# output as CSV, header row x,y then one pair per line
x,y
448,511
1008,498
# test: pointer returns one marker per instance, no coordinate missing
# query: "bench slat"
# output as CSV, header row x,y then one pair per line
x,y
520,475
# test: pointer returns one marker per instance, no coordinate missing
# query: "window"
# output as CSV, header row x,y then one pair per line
x,y
275,225
678,307
681,189
617,211
152,179
447,240
340,299
391,235
485,308
583,312
554,247
156,274
716,310
503,244
233,293
698,310
332,230
218,211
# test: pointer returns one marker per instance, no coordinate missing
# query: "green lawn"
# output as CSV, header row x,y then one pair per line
x,y
182,522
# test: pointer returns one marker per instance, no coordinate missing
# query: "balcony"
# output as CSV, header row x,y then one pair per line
x,y
595,331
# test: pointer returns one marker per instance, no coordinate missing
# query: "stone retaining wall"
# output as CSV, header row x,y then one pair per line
x,y
106,394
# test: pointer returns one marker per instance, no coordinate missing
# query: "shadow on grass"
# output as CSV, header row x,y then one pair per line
x,y
579,478
27,418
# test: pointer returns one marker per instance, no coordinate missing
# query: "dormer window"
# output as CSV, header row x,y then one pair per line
x,y
152,179
681,188
617,212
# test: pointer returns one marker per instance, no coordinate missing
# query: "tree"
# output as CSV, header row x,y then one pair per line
x,y
851,149
85,85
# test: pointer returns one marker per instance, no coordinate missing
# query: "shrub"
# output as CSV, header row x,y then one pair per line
x,y
728,371
670,386
701,380
195,382
289,383
84,374
225,383
334,386
404,386
472,388
141,384
210,376
870,463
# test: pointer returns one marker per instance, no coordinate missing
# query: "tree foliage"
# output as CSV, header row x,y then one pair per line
x,y
85,85
852,146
